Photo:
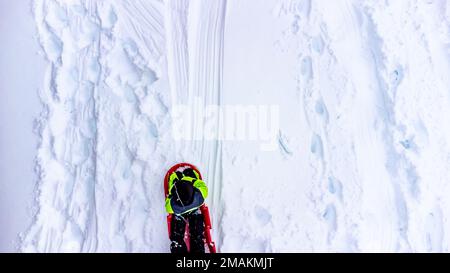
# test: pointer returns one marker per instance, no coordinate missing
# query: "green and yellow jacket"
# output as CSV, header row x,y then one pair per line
x,y
200,194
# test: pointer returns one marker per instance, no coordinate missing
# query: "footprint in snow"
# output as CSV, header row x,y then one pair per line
x,y
306,68
317,145
263,216
321,110
317,44
330,217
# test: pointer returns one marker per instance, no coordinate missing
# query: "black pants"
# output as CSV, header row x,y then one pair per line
x,y
196,233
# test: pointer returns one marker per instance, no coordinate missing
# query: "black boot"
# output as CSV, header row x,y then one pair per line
x,y
196,232
178,227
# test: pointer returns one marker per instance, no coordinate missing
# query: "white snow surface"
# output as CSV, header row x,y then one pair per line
x,y
362,155
21,76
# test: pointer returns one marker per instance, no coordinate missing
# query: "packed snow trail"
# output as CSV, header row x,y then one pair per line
x,y
195,60
361,154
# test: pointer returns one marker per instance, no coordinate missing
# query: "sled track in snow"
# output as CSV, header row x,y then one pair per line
x,y
195,61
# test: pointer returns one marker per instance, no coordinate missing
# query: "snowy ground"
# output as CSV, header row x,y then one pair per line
x,y
352,97
21,75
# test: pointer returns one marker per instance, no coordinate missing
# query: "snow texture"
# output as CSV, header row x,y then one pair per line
x,y
361,156
21,75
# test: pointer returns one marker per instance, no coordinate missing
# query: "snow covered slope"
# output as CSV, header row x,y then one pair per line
x,y
356,93
363,132
21,75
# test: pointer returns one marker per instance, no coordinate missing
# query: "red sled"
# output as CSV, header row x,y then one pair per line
x,y
204,209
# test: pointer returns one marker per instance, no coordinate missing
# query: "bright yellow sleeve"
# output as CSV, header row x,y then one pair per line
x,y
168,206
199,184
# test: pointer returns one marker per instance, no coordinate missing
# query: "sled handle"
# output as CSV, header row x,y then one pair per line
x,y
169,223
205,212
